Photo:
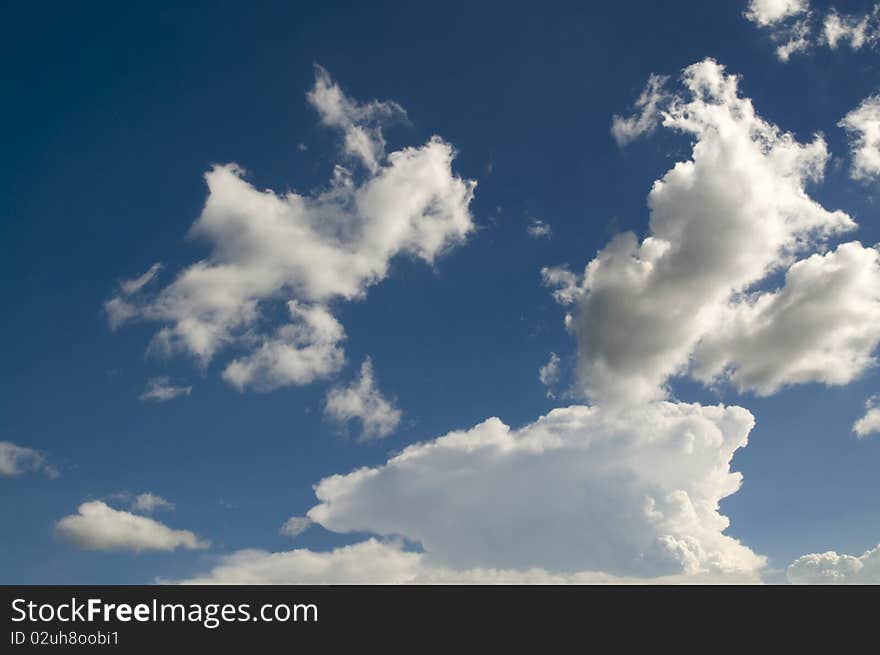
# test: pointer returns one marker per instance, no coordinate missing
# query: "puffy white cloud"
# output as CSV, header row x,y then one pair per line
x,y
308,249
295,526
870,422
364,402
627,493
822,326
647,116
863,126
97,526
770,12
17,460
377,562
548,374
161,390
148,502
298,353
538,229
833,568
720,223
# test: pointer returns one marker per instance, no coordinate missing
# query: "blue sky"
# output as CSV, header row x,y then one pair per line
x,y
113,117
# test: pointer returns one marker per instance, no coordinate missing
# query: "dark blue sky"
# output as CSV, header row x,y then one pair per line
x,y
113,113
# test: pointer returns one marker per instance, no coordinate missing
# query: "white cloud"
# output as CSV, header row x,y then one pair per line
x,y
122,307
268,248
863,126
857,31
611,497
793,39
17,460
720,223
148,502
770,12
795,28
538,229
364,402
97,526
295,526
161,390
307,349
833,568
870,422
565,284
377,562
548,374
626,129
129,287
361,123
629,493
822,326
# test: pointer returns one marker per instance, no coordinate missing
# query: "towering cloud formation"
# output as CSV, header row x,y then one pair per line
x,y
610,496
686,298
306,250
630,493
629,487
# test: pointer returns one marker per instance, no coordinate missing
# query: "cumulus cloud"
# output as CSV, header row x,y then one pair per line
x,y
630,493
307,349
720,223
863,126
770,12
628,489
148,502
363,401
612,497
295,526
97,526
16,460
870,422
161,390
647,114
307,250
833,568
822,326
378,562
538,229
